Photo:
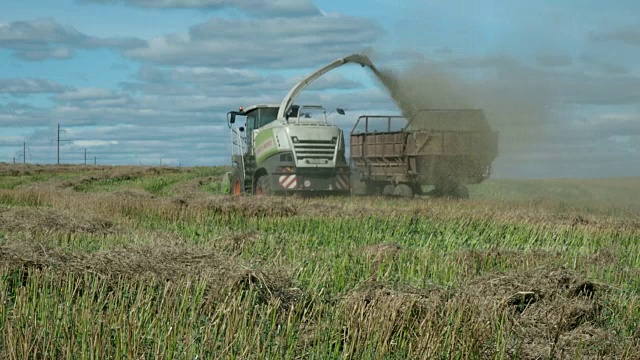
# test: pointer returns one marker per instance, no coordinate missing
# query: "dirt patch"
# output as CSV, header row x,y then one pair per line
x,y
53,221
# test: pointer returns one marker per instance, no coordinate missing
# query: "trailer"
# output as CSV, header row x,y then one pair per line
x,y
444,149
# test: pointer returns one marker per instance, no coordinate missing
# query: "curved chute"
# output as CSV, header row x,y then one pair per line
x,y
288,100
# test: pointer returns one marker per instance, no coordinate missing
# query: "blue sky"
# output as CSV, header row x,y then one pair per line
x,y
139,80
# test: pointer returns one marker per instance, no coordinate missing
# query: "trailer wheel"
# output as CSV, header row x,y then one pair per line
x,y
462,192
403,190
389,190
236,186
263,187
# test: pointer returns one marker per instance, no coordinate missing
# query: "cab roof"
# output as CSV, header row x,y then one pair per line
x,y
260,106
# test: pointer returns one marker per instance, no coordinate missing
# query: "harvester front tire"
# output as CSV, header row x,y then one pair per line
x,y
263,187
236,186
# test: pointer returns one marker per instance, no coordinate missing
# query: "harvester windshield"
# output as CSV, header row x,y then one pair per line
x,y
312,112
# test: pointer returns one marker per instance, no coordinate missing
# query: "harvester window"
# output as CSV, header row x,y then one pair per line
x,y
293,112
252,120
268,115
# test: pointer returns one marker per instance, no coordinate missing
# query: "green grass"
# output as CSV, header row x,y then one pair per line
x,y
152,183
11,182
218,277
586,193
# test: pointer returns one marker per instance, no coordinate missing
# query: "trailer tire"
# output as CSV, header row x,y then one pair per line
x,y
417,189
263,187
404,191
462,192
389,190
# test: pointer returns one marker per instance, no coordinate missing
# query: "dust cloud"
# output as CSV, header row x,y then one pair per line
x,y
513,107
423,86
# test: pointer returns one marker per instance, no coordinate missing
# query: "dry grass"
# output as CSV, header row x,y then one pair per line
x,y
543,313
53,221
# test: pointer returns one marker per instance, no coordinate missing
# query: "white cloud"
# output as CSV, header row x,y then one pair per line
x,y
22,86
629,35
85,94
44,39
260,8
94,143
266,43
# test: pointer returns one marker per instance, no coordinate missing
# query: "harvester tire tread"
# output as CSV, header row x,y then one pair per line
x,y
263,186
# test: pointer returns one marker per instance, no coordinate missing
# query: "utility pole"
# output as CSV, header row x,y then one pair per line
x,y
85,156
14,160
58,144
58,140
24,154
95,160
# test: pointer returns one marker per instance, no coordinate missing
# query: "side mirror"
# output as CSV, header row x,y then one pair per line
x,y
241,128
340,111
232,118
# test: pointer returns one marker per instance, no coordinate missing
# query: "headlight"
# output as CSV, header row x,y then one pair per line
x,y
285,170
294,139
334,139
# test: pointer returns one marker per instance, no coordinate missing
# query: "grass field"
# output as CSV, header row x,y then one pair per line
x,y
133,262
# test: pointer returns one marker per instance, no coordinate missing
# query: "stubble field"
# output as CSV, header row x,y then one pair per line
x,y
135,262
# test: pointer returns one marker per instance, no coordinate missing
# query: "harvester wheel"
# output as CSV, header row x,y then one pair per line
x,y
264,186
236,186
